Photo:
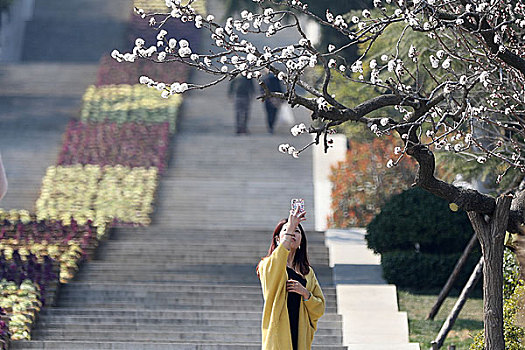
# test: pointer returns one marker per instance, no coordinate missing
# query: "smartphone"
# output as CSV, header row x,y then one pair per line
x,y
298,203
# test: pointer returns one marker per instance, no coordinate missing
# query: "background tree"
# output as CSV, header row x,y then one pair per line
x,y
467,98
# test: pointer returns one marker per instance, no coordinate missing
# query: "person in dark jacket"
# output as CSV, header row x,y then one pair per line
x,y
242,90
272,104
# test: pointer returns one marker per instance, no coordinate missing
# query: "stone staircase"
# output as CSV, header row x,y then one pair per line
x,y
136,295
188,281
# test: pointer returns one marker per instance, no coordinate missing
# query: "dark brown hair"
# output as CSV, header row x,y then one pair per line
x,y
301,254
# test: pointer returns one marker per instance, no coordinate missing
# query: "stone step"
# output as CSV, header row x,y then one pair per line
x,y
161,314
159,235
72,322
160,305
166,294
167,299
240,327
88,286
80,345
384,346
245,246
150,336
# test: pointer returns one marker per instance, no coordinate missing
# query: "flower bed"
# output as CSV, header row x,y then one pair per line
x,y
111,72
22,304
69,245
127,104
104,195
129,144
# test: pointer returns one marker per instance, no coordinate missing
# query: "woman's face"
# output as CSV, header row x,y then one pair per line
x,y
295,237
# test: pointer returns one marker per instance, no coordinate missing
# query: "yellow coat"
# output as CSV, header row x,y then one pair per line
x,y
275,321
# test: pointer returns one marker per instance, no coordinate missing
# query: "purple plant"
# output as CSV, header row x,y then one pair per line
x,y
53,232
128,144
43,274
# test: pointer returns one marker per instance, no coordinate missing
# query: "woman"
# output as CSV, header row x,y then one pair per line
x,y
293,299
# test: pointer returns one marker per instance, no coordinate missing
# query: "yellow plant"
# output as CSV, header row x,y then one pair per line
x,y
102,195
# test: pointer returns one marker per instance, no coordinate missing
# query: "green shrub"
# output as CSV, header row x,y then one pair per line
x,y
514,334
421,271
417,217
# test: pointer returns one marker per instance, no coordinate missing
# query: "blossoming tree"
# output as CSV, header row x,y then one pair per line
x,y
465,93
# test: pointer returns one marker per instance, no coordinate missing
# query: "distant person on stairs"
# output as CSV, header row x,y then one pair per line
x,y
3,179
272,104
242,90
293,299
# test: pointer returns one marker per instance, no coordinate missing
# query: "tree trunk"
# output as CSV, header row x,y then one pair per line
x,y
452,278
491,235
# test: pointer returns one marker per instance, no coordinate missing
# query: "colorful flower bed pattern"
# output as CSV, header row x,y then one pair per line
x,y
22,304
68,245
103,195
128,144
111,72
128,104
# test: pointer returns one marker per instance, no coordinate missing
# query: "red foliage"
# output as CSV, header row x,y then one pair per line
x,y
362,183
128,144
112,72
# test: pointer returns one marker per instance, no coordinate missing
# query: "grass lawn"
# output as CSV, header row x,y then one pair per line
x,y
469,322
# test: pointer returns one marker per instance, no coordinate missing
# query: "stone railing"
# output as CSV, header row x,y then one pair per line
x,y
12,27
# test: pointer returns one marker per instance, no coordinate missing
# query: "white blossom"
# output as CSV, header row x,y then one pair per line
x,y
139,42
390,163
357,66
446,63
392,65
283,148
384,121
298,129
321,103
481,159
434,61
329,16
161,56
373,64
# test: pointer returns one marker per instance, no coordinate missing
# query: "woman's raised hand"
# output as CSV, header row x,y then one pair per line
x,y
295,218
